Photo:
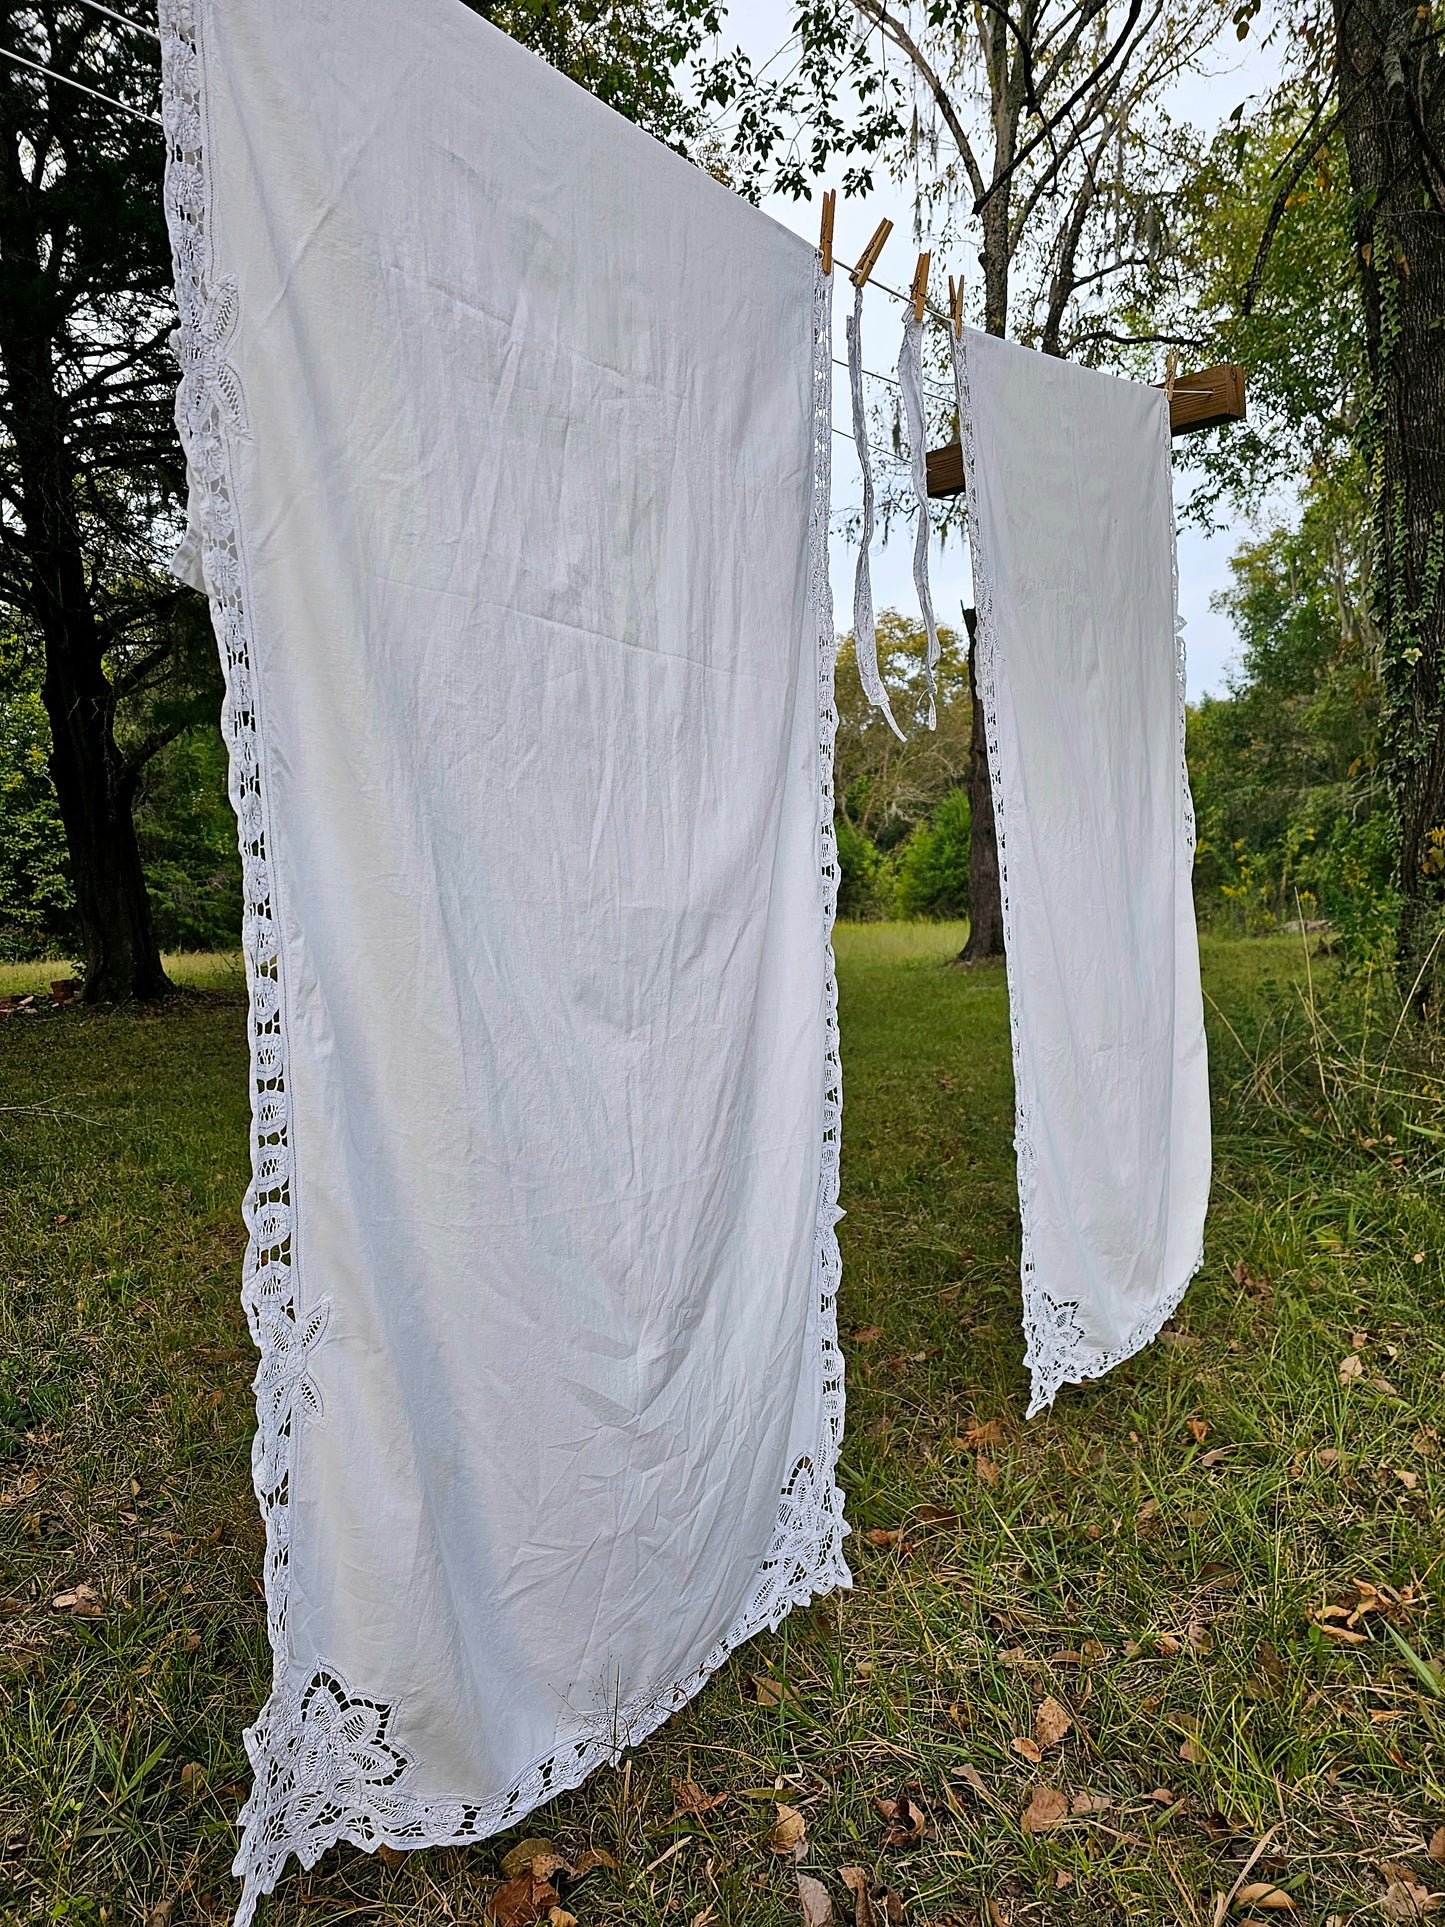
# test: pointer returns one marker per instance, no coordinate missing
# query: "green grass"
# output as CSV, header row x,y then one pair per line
x,y
193,970
1156,1578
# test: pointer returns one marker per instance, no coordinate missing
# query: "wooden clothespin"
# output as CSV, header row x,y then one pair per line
x,y
868,259
825,237
918,293
955,305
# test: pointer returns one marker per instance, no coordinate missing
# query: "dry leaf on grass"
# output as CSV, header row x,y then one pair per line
x,y
904,1821
814,1901
1264,1893
690,1797
1090,1803
989,1433
523,1901
866,1334
1051,1722
559,1917
1351,1368
390,1856
160,1914
937,1515
986,1470
883,1535
788,1830
1047,1808
856,1881
1026,1750
769,1692
193,1778
523,1858
1437,1844
1404,1897
83,1601
1199,1430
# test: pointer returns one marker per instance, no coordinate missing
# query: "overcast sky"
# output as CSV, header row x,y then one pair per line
x,y
1236,73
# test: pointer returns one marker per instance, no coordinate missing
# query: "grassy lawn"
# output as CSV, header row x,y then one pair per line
x,y
1158,1556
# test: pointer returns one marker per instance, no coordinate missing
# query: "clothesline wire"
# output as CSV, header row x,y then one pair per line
x,y
938,387
136,26
136,113
898,294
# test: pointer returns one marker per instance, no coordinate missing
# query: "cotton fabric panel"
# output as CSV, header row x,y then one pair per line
x,y
509,435
1081,674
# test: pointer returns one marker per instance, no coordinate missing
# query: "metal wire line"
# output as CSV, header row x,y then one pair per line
x,y
136,26
136,113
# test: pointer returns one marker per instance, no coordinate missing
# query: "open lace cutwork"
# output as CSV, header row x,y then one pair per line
x,y
327,1764
1057,1351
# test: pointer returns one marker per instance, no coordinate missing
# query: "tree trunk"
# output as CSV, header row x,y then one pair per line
x,y
1394,129
118,942
93,789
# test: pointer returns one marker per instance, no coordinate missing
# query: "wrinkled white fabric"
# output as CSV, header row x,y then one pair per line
x,y
509,437
1081,675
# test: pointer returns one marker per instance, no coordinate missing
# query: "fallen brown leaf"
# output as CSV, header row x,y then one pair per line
x,y
1264,1893
883,1536
904,1821
1405,1898
1047,1808
522,1901
690,1797
193,1778
1090,1803
390,1856
1351,1368
592,1858
559,1917
1051,1722
521,1857
989,1433
766,1691
1199,1430
856,1881
815,1902
1437,1844
1026,1750
788,1829
866,1334
937,1515
986,1469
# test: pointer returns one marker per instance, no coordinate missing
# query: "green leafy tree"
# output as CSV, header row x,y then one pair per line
x,y
37,905
1292,810
932,868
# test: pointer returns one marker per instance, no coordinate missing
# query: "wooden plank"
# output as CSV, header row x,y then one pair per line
x,y
945,470
1202,400
1207,399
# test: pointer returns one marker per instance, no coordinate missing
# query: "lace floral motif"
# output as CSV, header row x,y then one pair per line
x,y
1057,1350
326,1765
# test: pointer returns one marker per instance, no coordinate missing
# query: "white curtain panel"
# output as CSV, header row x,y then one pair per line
x,y
1081,672
509,438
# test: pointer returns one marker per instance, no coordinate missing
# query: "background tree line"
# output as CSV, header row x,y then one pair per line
x,y
1306,239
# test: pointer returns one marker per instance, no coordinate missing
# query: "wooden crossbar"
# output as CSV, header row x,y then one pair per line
x,y
1202,400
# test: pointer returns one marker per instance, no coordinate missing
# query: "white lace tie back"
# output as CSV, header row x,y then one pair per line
x,y
865,638
910,383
